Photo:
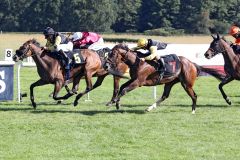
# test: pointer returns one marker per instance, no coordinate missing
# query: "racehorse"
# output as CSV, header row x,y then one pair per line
x,y
51,70
231,61
144,73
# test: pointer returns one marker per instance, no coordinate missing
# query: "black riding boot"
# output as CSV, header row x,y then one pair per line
x,y
65,57
161,69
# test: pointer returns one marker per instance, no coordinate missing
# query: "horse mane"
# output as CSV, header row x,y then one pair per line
x,y
33,41
123,46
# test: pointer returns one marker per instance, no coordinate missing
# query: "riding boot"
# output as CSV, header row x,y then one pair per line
x,y
65,57
161,69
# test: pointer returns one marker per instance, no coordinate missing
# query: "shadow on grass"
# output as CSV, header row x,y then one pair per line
x,y
39,110
90,113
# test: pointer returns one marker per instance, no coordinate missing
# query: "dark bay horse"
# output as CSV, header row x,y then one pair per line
x,y
51,71
144,74
231,61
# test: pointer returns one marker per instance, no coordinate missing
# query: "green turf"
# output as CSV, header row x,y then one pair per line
x,y
93,131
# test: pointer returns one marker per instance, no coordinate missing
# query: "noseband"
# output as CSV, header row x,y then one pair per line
x,y
217,50
24,55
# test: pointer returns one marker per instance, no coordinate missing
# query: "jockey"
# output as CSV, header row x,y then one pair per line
x,y
235,32
87,40
61,44
151,46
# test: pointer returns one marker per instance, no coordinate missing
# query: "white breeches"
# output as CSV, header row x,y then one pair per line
x,y
97,45
65,47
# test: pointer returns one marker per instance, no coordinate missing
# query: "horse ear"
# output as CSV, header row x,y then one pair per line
x,y
218,37
214,37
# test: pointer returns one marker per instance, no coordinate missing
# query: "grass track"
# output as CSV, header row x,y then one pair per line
x,y
93,131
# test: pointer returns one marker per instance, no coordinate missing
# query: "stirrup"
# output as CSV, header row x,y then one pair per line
x,y
66,82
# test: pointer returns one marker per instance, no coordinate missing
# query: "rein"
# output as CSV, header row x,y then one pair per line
x,y
24,55
216,51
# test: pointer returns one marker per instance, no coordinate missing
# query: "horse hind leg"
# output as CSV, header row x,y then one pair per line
x,y
88,89
115,90
165,95
193,96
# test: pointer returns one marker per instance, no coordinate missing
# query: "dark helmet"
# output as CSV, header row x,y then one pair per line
x,y
48,31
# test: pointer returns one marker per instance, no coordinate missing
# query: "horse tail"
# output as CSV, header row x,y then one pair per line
x,y
213,72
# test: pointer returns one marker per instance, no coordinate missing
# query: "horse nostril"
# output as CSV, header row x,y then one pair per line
x,y
106,66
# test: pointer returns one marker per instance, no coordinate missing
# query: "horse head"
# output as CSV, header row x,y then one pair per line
x,y
28,49
117,56
216,46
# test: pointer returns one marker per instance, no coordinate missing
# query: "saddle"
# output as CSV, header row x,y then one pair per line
x,y
103,54
169,64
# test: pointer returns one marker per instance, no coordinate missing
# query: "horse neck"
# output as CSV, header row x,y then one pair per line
x,y
131,58
44,63
228,53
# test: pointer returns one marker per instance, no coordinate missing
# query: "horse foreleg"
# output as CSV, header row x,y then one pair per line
x,y
165,95
126,87
115,90
89,87
40,82
220,86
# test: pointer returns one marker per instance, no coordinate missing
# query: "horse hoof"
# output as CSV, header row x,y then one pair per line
x,y
59,102
147,110
109,104
228,101
75,103
118,106
151,107
34,105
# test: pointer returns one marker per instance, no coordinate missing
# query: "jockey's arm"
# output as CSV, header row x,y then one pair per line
x,y
51,46
153,51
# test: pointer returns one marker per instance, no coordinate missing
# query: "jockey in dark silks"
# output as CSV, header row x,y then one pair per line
x,y
152,47
58,43
235,32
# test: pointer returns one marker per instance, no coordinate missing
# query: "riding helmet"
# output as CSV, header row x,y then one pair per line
x,y
77,36
48,31
142,42
234,30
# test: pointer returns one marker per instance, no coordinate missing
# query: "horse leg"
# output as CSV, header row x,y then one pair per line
x,y
99,81
40,82
165,95
188,88
115,90
66,88
126,87
220,86
88,79
57,87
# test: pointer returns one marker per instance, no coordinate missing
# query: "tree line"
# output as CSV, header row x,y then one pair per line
x,y
159,17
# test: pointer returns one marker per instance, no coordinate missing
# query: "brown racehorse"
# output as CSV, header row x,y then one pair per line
x,y
51,71
144,74
231,61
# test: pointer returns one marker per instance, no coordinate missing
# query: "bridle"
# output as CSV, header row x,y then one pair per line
x,y
24,55
217,50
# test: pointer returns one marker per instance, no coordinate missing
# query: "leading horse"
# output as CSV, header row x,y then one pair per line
x,y
145,74
231,61
51,71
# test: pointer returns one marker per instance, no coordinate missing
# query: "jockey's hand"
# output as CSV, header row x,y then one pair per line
x,y
44,48
142,59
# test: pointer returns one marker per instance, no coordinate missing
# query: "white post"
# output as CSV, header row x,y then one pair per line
x,y
18,83
88,98
155,92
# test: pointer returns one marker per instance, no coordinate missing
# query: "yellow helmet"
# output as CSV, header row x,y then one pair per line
x,y
142,42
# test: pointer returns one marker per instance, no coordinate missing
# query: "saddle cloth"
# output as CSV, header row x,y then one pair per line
x,y
171,64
